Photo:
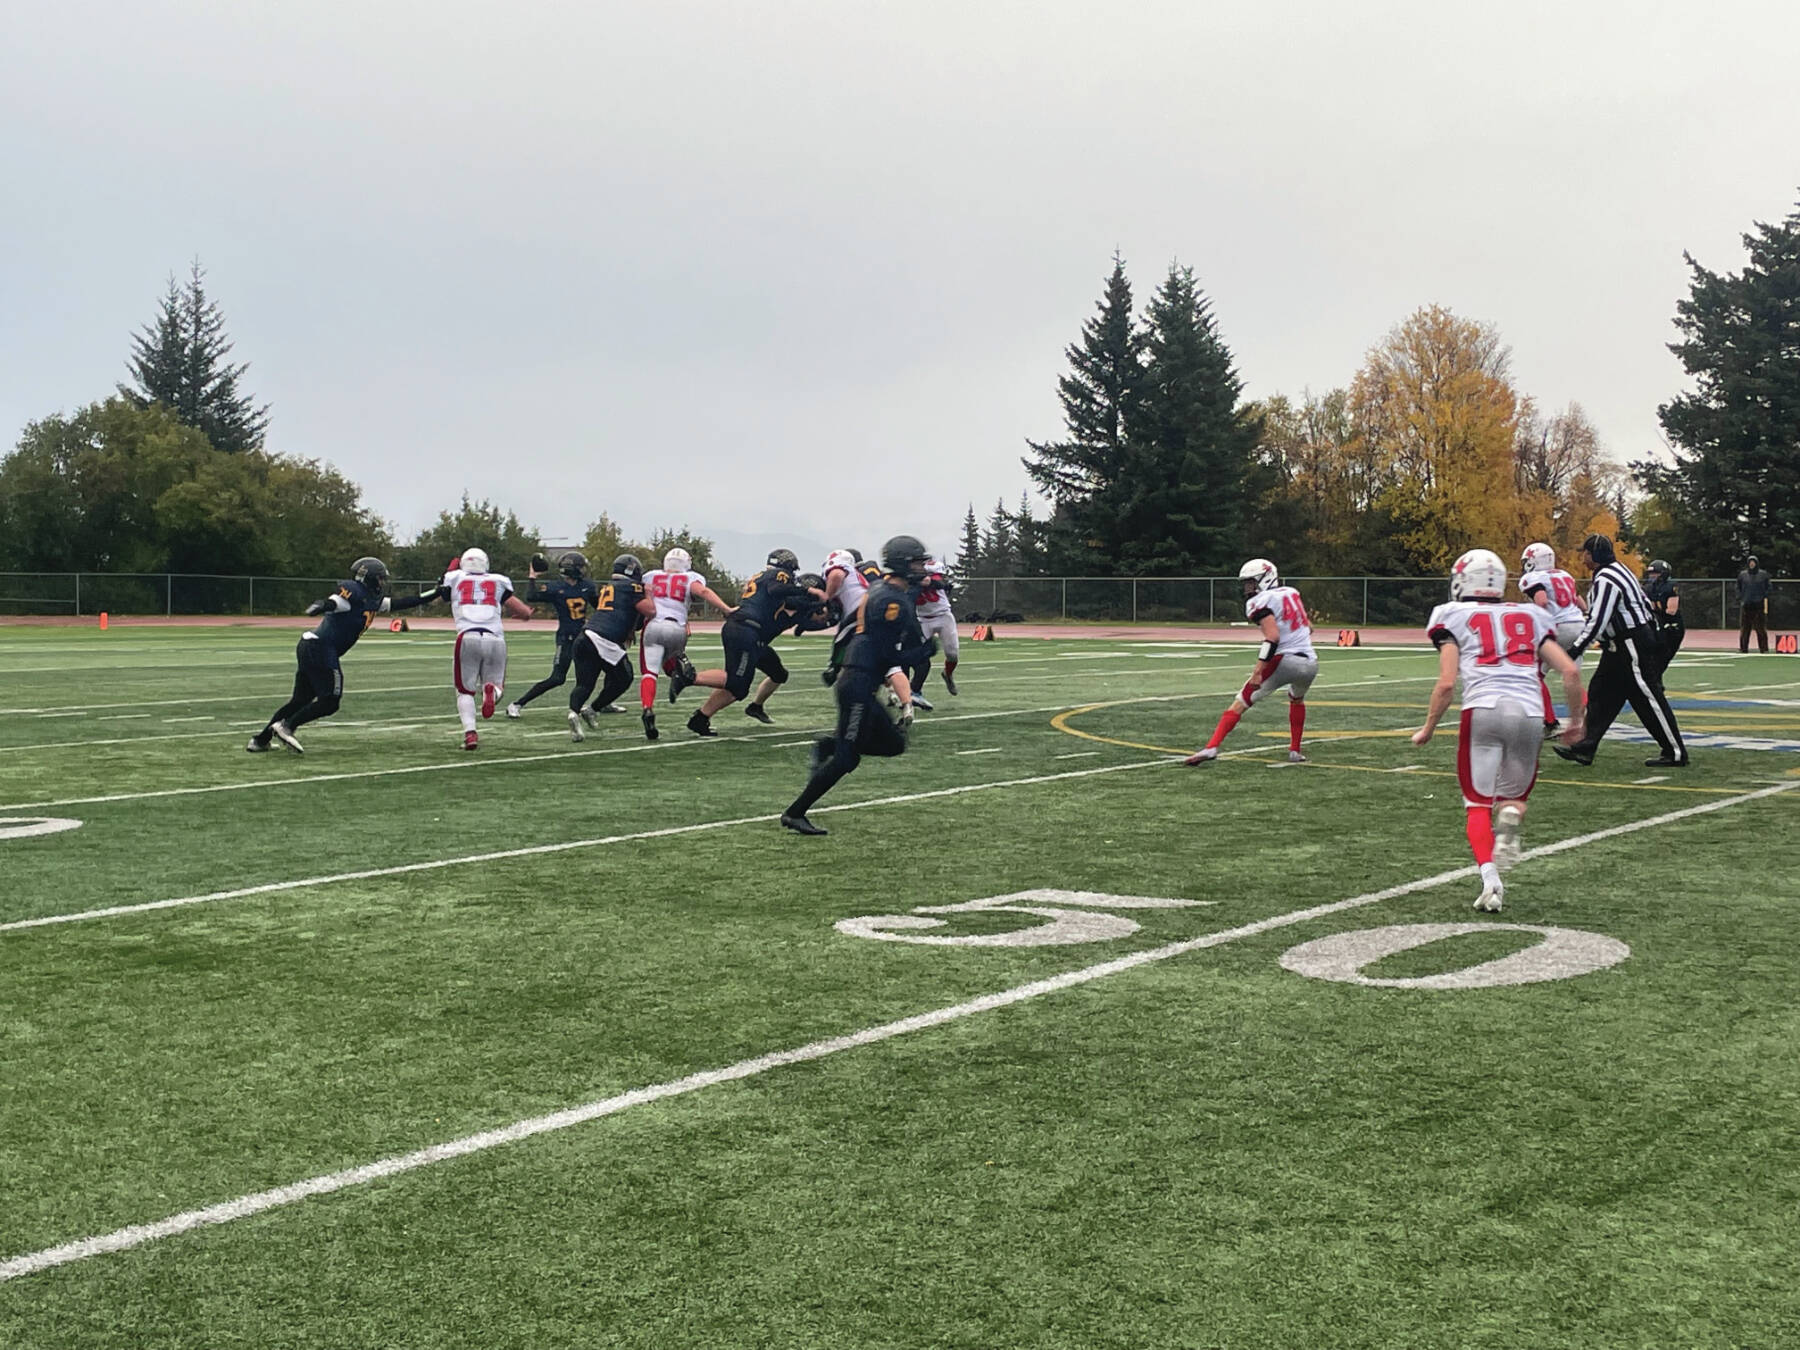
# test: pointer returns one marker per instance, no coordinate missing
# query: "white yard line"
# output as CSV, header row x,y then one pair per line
x,y
985,750
206,717
1081,754
272,695
258,1202
1660,778
565,846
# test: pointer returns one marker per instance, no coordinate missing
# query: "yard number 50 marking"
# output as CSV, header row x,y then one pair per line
x,y
1071,914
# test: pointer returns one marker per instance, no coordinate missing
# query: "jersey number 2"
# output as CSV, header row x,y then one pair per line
x,y
1517,630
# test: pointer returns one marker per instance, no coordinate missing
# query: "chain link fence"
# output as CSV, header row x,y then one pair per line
x,y
1333,602
169,594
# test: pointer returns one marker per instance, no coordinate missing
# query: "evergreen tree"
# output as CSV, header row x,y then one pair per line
x,y
997,555
178,360
968,557
1191,465
1081,473
1735,486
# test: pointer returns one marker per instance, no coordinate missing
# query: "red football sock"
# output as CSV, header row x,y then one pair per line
x,y
1481,833
1296,722
949,665
1220,732
647,692
1549,703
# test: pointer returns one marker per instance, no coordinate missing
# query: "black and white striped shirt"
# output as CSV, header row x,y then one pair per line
x,y
1617,608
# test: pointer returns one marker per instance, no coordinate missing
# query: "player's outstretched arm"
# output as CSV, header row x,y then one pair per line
x,y
1441,693
517,609
708,594
335,603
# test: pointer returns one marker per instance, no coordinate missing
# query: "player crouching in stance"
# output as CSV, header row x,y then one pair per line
x,y
1495,647
1285,659
620,608
666,634
879,652
480,600
319,682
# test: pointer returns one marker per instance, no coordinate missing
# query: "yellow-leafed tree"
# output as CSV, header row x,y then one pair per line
x,y
1435,408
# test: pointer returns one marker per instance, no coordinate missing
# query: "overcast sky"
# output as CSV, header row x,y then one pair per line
x,y
809,267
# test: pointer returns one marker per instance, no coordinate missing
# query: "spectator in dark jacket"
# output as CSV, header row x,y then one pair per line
x,y
1753,606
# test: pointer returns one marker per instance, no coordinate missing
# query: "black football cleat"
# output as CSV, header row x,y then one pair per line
x,y
1666,762
701,725
759,713
1574,754
650,732
950,684
684,676
801,825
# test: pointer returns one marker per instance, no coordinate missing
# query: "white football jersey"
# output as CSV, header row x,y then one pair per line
x,y
1292,625
1559,589
850,594
934,598
1499,645
670,591
476,598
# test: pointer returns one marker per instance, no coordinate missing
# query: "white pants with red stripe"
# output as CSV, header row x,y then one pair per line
x,y
479,659
1294,671
1497,752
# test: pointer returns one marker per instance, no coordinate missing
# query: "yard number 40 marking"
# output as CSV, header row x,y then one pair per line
x,y
1071,913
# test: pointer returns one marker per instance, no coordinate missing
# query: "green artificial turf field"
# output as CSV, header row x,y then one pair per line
x,y
1180,1142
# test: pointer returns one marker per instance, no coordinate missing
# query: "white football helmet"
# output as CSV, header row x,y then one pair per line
x,y
677,560
838,557
1258,575
1537,558
1478,575
474,560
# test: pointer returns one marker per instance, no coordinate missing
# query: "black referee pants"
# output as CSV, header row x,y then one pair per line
x,y
1630,671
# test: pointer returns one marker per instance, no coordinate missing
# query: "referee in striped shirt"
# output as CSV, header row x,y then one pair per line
x,y
1621,620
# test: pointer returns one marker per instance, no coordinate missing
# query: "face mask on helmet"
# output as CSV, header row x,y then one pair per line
x,y
628,565
474,560
1258,575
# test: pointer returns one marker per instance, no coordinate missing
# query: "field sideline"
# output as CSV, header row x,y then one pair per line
x,y
1053,1042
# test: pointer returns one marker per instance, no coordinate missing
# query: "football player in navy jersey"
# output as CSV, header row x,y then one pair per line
x,y
748,631
880,650
570,599
342,615
620,608
804,614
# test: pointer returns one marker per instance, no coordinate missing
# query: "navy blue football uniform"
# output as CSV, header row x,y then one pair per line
x,y
615,614
571,602
344,616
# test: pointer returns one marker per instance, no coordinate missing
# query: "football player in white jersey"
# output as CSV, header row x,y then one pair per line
x,y
1494,647
932,605
1546,585
665,636
479,599
1286,658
